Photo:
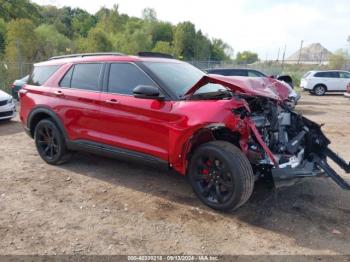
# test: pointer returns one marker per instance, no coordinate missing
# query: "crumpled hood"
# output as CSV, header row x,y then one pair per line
x,y
265,87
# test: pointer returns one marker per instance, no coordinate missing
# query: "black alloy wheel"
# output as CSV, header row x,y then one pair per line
x,y
50,142
221,175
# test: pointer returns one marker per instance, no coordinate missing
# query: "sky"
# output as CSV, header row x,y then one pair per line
x,y
263,26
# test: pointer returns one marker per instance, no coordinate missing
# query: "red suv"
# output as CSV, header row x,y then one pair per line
x,y
222,132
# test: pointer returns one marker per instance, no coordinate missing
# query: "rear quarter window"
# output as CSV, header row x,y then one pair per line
x,y
41,74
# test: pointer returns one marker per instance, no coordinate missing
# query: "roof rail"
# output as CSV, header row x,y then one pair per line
x,y
85,54
155,54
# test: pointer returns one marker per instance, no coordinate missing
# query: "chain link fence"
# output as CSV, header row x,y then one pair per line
x,y
10,70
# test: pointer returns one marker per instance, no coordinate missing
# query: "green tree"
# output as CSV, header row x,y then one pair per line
x,y
149,14
21,41
136,37
50,42
338,60
15,9
218,50
201,47
184,39
82,22
98,41
163,47
246,57
161,31
21,47
2,36
110,21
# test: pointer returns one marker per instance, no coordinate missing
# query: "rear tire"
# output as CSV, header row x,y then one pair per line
x,y
221,175
50,143
319,90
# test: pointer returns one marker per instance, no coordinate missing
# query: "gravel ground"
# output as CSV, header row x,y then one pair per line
x,y
95,205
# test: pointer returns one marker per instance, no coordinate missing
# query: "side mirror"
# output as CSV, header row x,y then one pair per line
x,y
147,92
272,76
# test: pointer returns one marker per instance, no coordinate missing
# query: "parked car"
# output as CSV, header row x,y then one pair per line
x,y
7,106
321,82
224,133
347,93
17,85
266,80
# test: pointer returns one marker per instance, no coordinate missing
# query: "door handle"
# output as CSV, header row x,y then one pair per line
x,y
112,101
58,93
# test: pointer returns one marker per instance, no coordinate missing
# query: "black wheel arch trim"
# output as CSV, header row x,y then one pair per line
x,y
48,111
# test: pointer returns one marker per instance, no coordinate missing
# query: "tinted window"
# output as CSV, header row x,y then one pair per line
x,y
41,74
86,76
238,72
223,72
65,82
253,73
230,72
123,78
327,74
344,74
178,77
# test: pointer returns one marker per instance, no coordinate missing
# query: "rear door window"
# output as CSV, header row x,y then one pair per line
x,y
85,76
41,74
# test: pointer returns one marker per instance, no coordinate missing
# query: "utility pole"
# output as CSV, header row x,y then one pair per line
x,y
301,46
321,57
284,54
278,54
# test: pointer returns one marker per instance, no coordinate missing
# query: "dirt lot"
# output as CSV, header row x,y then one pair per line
x,y
94,205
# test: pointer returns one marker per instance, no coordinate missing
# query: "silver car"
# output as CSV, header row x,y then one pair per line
x,y
7,106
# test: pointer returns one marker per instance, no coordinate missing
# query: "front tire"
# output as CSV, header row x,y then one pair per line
x,y
221,175
50,143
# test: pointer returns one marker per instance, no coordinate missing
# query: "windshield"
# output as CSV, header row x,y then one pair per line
x,y
180,77
306,75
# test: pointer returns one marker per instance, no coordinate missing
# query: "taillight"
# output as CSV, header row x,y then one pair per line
x,y
348,88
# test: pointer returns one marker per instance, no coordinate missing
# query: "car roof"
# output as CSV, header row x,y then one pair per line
x,y
321,71
231,69
105,58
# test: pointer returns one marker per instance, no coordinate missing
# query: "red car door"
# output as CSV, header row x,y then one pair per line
x,y
76,100
134,123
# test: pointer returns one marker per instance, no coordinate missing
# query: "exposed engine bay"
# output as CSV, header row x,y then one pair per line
x,y
298,148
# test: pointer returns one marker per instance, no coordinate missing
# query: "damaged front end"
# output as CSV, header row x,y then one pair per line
x,y
287,145
283,143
